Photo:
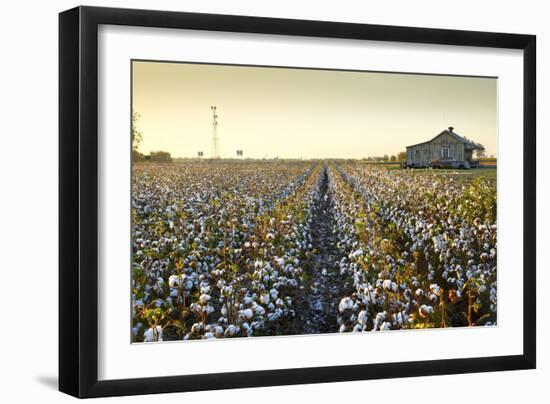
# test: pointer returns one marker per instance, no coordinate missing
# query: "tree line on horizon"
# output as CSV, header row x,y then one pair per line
x,y
137,137
399,157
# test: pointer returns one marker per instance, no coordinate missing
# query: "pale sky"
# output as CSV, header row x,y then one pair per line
x,y
295,113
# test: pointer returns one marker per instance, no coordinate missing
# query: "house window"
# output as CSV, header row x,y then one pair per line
x,y
445,152
417,154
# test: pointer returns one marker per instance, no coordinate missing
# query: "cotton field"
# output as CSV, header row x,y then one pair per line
x,y
226,249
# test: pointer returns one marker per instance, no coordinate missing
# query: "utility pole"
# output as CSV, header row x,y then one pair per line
x,y
215,141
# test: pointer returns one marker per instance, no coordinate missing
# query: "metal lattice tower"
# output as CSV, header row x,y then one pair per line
x,y
215,140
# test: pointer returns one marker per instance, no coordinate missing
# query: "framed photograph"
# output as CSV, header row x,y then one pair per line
x,y
251,201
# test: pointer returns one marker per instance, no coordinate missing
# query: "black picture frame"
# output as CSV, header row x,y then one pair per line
x,y
78,200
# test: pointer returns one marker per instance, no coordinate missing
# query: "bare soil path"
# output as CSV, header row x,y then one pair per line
x,y
325,283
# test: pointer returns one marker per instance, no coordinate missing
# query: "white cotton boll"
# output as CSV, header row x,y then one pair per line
x,y
218,331
264,299
345,304
208,335
419,292
273,293
224,310
400,318
342,328
247,300
434,287
279,302
362,317
205,289
385,326
273,316
247,313
380,317
153,335
425,310
204,298
197,327
175,280
357,328
231,330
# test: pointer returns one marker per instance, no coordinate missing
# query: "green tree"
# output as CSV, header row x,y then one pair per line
x,y
137,136
160,157
480,153
402,156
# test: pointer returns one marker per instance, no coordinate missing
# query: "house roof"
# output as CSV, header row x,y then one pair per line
x,y
467,143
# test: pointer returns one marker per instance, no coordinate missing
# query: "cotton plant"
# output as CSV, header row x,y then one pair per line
x,y
419,257
229,249
224,250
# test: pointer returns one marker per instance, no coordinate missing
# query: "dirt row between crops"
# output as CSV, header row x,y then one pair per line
x,y
325,284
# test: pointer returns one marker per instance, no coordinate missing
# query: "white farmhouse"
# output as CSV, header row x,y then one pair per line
x,y
447,146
